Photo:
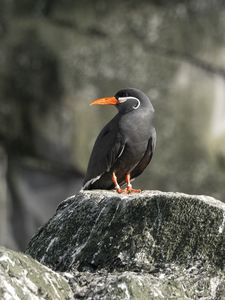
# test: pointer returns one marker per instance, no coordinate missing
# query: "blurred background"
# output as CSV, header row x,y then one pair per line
x,y
58,55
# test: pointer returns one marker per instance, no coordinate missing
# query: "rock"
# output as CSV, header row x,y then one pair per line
x,y
172,283
23,278
146,246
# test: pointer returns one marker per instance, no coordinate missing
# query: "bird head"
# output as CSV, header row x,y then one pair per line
x,y
127,100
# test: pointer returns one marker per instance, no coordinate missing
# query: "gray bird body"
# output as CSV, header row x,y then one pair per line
x,y
125,145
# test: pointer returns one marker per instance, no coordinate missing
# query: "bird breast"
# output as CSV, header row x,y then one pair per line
x,y
136,132
136,127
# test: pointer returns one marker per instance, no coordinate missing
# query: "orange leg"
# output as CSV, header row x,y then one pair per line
x,y
117,187
129,188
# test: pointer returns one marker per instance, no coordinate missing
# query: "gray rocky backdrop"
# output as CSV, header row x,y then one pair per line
x,y
56,56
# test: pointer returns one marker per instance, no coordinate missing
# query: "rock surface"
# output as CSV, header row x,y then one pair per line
x,y
23,278
154,245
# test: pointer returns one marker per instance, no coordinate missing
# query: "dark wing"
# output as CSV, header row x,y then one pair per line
x,y
107,149
147,156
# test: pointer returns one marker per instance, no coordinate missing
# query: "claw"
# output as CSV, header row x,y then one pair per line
x,y
119,190
130,190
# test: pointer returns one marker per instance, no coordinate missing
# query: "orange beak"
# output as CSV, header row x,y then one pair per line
x,y
105,101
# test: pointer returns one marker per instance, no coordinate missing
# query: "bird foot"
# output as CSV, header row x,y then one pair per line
x,y
130,190
120,191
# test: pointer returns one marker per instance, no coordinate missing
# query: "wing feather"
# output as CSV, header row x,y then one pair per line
x,y
147,156
108,147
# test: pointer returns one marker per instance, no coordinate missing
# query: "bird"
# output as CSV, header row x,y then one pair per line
x,y
125,146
